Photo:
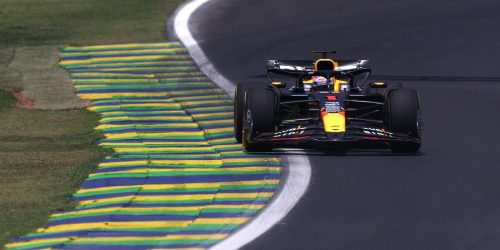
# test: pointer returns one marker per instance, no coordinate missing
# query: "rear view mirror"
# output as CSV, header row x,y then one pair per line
x,y
279,84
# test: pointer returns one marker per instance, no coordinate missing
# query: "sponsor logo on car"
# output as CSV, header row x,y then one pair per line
x,y
290,132
332,107
377,131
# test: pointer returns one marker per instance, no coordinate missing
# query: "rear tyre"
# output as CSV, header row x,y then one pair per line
x,y
260,117
239,102
403,116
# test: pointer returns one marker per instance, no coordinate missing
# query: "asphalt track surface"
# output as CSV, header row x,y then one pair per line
x,y
447,197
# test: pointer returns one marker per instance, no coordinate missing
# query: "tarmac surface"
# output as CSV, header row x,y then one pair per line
x,y
444,198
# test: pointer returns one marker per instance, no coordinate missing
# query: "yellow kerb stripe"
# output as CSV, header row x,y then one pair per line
x,y
122,144
222,170
157,209
216,122
125,51
163,104
119,239
242,160
170,125
176,186
212,114
124,59
114,225
126,45
139,224
122,163
190,197
219,130
153,238
188,162
159,149
126,135
124,94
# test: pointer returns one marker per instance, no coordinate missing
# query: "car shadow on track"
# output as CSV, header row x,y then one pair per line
x,y
344,153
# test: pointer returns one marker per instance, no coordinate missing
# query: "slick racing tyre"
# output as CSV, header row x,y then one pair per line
x,y
403,116
239,102
260,117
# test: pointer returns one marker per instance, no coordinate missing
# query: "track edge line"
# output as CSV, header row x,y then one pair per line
x,y
299,167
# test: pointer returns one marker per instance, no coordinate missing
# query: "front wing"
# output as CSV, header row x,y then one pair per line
x,y
354,136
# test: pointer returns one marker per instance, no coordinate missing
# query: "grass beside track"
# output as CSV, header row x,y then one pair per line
x,y
44,156
83,22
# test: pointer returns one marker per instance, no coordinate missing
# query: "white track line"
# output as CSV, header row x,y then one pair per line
x,y
181,29
299,172
295,186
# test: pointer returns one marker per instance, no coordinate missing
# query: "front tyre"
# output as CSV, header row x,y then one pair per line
x,y
260,117
403,116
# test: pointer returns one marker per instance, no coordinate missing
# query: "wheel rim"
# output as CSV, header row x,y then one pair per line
x,y
247,129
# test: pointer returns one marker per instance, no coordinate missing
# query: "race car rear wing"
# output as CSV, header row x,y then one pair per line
x,y
293,67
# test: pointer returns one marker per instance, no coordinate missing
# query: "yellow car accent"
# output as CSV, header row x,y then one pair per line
x,y
334,122
334,63
337,84
336,87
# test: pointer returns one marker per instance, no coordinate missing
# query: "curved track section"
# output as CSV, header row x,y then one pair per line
x,y
443,198
298,168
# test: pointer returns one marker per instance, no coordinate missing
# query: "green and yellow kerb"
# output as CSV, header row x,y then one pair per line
x,y
178,179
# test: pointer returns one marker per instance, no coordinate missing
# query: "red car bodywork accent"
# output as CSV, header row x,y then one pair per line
x,y
331,98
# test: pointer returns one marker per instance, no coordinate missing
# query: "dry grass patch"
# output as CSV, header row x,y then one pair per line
x,y
44,156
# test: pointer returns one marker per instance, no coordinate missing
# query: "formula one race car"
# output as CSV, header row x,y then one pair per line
x,y
326,104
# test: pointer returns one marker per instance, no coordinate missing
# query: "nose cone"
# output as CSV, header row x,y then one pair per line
x,y
336,136
333,122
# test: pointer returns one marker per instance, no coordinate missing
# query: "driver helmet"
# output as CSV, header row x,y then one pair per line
x,y
321,83
319,80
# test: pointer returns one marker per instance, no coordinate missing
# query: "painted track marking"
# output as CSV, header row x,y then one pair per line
x,y
299,173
